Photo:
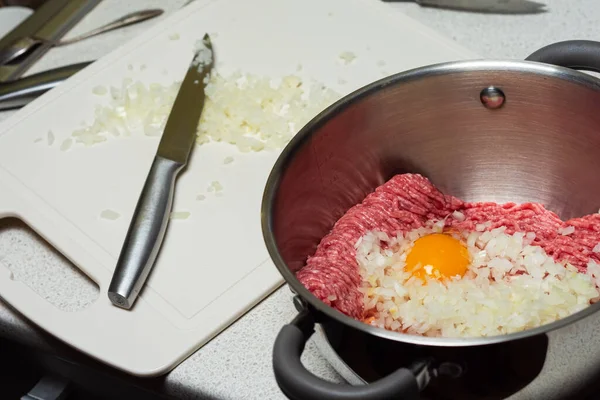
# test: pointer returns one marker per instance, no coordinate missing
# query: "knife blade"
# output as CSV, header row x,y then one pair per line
x,y
50,21
19,92
484,6
151,217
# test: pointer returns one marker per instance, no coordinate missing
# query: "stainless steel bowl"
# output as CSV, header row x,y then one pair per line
x,y
480,130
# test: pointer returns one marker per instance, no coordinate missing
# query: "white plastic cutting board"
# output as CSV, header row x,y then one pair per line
x,y
213,266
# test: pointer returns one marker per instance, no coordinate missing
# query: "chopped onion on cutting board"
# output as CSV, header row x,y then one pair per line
x,y
180,215
132,107
256,113
110,215
249,111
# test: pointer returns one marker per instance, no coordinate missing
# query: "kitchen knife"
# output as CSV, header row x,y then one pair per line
x,y
51,20
483,6
151,216
18,93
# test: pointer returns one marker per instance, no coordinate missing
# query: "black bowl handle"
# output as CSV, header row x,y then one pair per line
x,y
575,54
297,383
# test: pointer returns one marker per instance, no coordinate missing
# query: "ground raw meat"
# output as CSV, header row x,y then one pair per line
x,y
406,202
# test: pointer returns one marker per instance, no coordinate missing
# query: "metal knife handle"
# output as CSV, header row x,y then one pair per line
x,y
146,232
20,92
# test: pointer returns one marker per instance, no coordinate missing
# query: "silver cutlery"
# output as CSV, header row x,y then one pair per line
x,y
151,217
20,92
23,45
483,6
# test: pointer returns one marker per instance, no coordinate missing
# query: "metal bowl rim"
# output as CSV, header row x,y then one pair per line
x,y
303,136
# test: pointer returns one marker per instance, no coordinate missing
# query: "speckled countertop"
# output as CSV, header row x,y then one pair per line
x,y
237,363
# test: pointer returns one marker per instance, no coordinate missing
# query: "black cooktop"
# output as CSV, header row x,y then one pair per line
x,y
491,372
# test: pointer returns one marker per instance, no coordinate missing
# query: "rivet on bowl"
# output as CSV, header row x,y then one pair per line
x,y
450,370
492,98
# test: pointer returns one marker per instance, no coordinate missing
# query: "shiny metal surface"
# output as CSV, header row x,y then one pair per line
x,y
423,373
146,233
151,217
20,92
51,21
489,6
23,45
492,98
327,351
451,370
126,20
540,146
17,49
180,130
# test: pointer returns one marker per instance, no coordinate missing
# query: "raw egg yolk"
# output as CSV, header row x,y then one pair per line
x,y
438,256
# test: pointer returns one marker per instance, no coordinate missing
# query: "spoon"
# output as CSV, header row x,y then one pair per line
x,y
24,44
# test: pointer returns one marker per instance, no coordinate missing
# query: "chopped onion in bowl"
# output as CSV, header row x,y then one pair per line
x,y
510,285
566,230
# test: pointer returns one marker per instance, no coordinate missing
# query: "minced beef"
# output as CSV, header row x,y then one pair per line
x,y
407,202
